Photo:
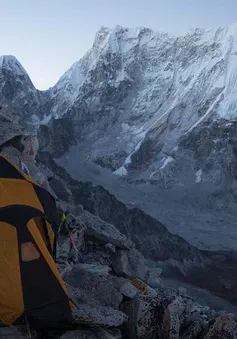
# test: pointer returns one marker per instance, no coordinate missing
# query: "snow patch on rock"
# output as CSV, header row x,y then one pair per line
x,y
198,176
166,162
121,171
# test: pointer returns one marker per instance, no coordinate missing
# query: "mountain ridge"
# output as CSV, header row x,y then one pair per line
x,y
232,27
155,80
160,112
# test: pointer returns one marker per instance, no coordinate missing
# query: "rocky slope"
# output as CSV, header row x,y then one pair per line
x,y
118,292
212,270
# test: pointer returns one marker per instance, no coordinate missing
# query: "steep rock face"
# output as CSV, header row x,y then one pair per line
x,y
57,136
126,104
62,96
161,112
137,92
207,154
17,93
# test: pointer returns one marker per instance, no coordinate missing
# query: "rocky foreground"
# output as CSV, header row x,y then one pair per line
x,y
116,291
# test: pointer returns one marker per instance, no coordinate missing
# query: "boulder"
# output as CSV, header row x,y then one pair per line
x,y
129,264
104,232
99,315
129,290
144,288
182,317
95,286
224,326
153,277
77,210
95,268
142,318
171,319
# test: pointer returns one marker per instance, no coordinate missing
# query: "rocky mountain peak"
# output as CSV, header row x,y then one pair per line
x,y
158,110
13,73
10,63
100,36
17,92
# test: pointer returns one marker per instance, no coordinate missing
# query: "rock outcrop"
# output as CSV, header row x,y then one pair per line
x,y
17,93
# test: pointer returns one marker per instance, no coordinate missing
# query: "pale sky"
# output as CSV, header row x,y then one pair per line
x,y
47,36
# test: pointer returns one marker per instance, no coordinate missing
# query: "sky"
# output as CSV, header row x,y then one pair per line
x,y
48,36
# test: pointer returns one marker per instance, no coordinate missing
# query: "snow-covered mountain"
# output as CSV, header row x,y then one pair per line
x,y
137,92
65,92
17,93
134,96
151,107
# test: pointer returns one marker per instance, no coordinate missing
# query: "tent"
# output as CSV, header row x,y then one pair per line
x,y
30,284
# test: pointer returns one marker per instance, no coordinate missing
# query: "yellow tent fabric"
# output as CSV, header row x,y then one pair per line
x,y
10,276
30,282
